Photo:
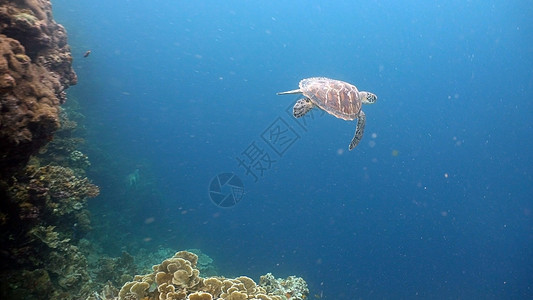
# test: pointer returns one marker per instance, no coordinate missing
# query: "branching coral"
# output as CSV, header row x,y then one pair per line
x,y
64,187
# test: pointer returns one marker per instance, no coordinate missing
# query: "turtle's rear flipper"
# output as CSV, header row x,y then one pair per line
x,y
359,130
301,107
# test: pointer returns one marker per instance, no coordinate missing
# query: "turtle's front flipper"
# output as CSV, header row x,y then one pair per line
x,y
359,130
290,92
301,107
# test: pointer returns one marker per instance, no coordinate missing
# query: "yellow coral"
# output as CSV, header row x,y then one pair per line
x,y
249,285
166,288
168,292
178,279
23,58
266,297
191,257
181,277
125,290
162,277
27,17
200,296
133,288
236,295
213,286
139,289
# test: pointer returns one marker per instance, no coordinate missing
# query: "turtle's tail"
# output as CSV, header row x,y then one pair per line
x,y
290,92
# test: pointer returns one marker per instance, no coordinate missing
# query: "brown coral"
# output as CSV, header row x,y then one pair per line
x,y
181,266
29,107
244,288
212,285
135,289
189,256
44,208
200,296
178,271
35,70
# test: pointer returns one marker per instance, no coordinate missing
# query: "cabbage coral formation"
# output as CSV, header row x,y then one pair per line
x,y
177,278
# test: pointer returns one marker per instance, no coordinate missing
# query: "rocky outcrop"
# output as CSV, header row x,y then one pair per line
x,y
43,211
35,70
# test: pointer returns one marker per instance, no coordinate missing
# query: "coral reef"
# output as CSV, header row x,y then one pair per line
x,y
47,214
35,70
292,287
109,292
205,263
178,278
115,271
145,258
44,198
64,149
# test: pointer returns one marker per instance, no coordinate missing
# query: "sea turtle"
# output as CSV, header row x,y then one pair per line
x,y
338,98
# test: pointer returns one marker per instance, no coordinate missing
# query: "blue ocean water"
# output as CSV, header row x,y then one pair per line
x,y
435,203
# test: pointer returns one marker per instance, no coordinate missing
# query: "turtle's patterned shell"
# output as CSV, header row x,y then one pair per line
x,y
338,98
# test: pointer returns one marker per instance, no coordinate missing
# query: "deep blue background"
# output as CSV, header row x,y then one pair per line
x,y
436,200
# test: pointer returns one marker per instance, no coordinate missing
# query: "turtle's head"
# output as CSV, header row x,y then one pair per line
x,y
368,97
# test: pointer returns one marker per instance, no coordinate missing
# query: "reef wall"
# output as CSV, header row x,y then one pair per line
x,y
43,187
35,70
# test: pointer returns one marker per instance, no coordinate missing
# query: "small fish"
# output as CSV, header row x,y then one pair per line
x,y
87,53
